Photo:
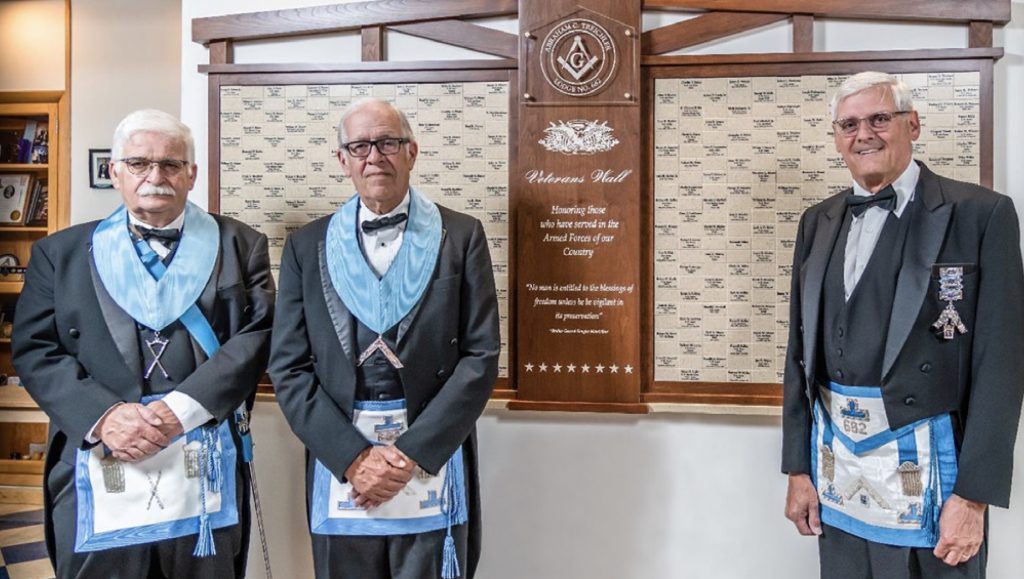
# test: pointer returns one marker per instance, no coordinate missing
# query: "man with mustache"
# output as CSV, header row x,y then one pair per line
x,y
903,379
384,354
142,337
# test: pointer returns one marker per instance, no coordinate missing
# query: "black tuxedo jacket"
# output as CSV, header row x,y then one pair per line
x,y
77,351
978,377
448,344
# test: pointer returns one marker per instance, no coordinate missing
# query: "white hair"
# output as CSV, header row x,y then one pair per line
x,y
901,96
153,121
364,102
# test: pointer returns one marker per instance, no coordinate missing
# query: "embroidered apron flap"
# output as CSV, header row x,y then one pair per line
x,y
857,414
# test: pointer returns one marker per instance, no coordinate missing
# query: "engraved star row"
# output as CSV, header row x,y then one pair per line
x,y
571,368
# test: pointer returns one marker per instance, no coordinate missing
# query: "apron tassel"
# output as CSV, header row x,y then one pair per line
x,y
213,454
931,517
450,560
933,496
453,505
205,546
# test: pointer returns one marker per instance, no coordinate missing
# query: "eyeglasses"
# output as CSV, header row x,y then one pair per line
x,y
849,126
385,146
141,167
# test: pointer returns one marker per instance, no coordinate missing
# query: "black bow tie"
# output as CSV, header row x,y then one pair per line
x,y
886,199
164,236
375,225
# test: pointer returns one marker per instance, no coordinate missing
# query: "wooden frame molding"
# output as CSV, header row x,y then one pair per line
x,y
466,35
704,28
374,44
930,10
342,17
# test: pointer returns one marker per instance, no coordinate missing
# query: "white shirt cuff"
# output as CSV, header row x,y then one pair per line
x,y
189,412
93,436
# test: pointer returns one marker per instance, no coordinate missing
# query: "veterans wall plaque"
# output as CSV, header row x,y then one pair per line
x,y
578,204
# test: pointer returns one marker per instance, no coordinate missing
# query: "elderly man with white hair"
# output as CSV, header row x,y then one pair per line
x,y
905,366
385,352
142,337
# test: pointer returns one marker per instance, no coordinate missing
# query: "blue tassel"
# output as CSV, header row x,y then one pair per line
x,y
453,504
213,454
449,560
456,493
205,546
215,471
931,517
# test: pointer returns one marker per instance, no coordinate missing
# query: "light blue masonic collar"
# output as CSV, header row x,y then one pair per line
x,y
156,304
380,303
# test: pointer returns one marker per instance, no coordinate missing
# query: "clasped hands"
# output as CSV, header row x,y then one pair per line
x,y
378,474
961,522
133,431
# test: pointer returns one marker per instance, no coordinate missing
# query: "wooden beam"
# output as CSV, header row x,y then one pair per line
x,y
803,33
341,17
222,52
392,66
933,10
701,29
980,35
466,35
373,44
825,57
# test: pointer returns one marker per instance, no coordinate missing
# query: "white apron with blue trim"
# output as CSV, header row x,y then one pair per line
x,y
157,498
875,483
423,505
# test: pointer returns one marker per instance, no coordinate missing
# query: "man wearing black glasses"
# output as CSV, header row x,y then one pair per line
x,y
905,365
384,354
142,337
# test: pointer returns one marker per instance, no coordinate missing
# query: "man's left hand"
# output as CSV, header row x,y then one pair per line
x,y
171,426
961,530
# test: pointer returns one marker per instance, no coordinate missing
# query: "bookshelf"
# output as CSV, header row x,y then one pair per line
x,y
36,116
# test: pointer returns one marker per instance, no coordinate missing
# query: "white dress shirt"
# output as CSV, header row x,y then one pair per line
x,y
382,246
865,230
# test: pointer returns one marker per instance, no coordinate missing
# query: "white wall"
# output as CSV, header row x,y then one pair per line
x,y
125,55
598,496
32,45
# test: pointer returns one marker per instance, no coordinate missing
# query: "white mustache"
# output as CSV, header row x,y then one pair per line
x,y
150,190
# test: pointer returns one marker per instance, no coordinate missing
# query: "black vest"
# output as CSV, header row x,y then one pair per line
x,y
178,356
854,330
376,378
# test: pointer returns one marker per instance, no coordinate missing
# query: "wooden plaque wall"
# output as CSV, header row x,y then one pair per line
x,y
640,208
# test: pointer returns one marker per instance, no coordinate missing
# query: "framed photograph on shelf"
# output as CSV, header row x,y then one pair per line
x,y
38,209
99,169
14,193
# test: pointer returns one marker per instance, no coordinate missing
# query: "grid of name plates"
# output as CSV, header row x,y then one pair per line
x,y
737,160
278,169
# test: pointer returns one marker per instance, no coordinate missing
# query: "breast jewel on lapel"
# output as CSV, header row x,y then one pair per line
x,y
951,289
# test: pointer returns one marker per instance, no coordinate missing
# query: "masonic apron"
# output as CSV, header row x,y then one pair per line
x,y
886,486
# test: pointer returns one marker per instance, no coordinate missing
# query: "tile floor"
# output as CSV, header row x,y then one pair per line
x,y
22,550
